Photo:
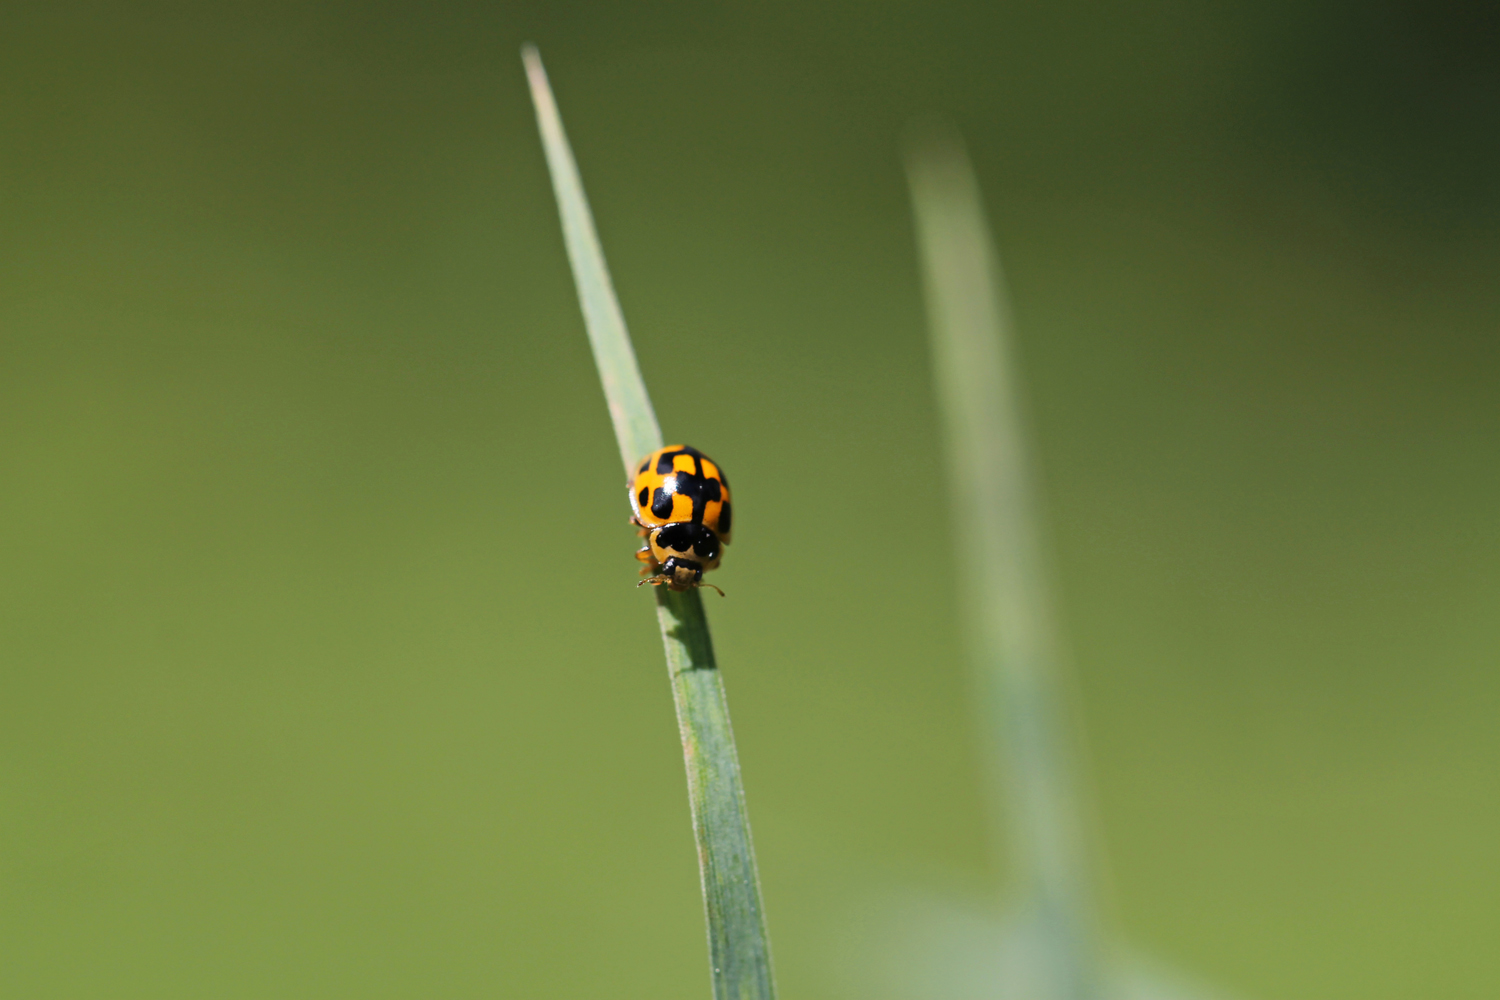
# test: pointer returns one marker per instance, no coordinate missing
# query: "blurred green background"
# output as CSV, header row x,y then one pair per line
x,y
323,671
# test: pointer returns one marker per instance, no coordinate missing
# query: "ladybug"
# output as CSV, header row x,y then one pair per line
x,y
680,501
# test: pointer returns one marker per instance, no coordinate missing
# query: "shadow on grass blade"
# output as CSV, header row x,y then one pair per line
x,y
739,949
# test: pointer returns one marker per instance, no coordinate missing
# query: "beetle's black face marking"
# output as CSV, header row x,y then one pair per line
x,y
725,524
642,497
682,572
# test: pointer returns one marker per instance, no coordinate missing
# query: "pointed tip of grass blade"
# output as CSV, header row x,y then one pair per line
x,y
925,136
739,947
1006,601
536,78
636,429
937,162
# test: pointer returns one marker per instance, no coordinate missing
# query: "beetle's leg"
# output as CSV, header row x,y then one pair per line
x,y
652,567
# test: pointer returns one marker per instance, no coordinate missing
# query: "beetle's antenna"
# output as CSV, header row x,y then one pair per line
x,y
700,583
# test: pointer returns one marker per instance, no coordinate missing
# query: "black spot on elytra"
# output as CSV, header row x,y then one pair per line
x,y
661,502
696,488
726,523
642,496
664,460
644,465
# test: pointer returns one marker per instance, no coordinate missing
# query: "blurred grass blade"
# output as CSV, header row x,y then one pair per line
x,y
1006,608
739,949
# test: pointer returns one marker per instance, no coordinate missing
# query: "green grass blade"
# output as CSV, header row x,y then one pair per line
x,y
630,409
1006,608
739,948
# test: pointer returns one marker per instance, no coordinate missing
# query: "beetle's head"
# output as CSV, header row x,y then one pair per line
x,y
684,552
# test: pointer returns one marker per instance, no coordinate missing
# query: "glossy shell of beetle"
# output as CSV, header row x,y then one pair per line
x,y
681,485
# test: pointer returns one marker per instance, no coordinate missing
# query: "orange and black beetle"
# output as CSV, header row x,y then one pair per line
x,y
681,503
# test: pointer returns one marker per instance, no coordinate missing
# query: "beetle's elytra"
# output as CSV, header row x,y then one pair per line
x,y
680,501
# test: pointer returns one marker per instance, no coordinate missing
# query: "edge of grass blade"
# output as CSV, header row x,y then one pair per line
x,y
739,947
1004,602
630,409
